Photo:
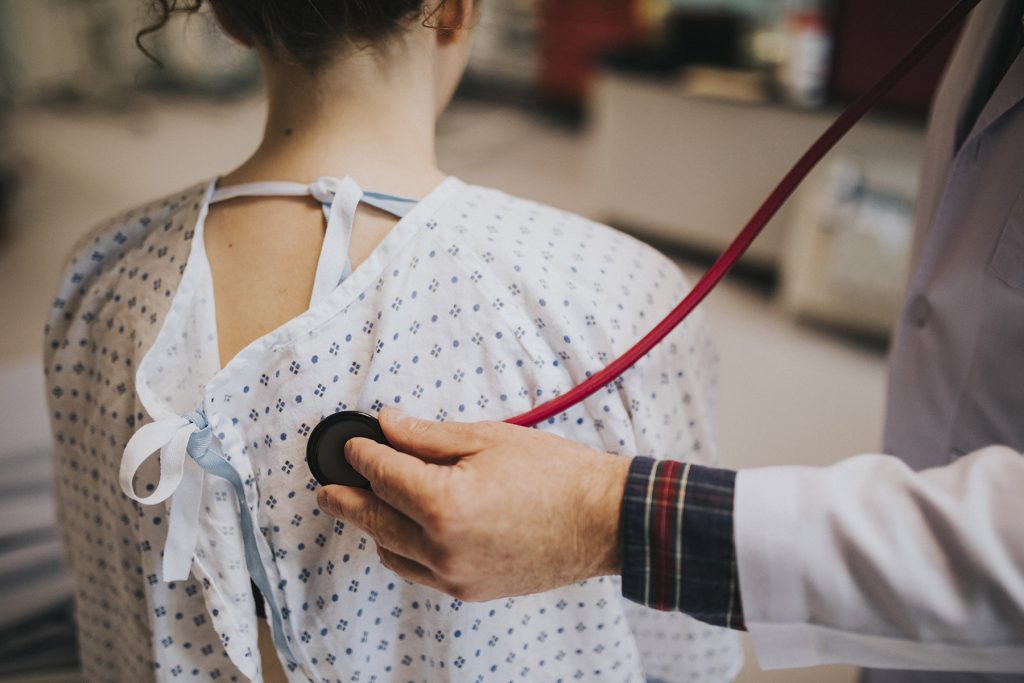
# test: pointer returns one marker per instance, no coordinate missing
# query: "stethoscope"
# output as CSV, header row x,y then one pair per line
x,y
325,449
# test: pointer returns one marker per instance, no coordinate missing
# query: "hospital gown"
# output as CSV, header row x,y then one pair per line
x,y
476,306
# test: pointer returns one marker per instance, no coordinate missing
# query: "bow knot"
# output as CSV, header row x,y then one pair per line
x,y
196,417
324,189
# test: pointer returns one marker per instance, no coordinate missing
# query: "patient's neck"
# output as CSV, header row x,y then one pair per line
x,y
368,117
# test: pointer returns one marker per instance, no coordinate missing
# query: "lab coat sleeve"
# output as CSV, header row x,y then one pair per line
x,y
868,562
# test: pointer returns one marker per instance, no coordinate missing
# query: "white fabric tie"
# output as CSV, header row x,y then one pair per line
x,y
340,199
180,477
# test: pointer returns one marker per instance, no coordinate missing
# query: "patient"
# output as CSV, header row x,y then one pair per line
x,y
339,269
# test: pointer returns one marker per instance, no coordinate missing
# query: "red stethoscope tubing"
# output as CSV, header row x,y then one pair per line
x,y
754,226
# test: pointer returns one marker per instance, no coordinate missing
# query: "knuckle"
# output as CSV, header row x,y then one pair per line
x,y
372,466
419,427
382,488
436,520
482,434
455,517
490,430
455,514
363,456
459,433
448,525
371,520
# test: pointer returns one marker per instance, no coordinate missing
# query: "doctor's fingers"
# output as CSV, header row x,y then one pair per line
x,y
389,528
404,482
437,441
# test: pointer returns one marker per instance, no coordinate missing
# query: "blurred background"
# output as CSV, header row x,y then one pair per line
x,y
670,119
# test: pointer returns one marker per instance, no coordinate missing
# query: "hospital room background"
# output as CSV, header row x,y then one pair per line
x,y
669,119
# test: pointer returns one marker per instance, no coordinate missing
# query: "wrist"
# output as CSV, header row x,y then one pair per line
x,y
602,511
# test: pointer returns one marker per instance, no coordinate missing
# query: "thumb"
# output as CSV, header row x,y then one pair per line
x,y
429,440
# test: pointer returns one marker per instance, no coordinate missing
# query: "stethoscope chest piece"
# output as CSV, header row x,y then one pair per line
x,y
325,451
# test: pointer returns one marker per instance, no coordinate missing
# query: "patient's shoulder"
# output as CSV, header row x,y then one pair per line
x,y
565,265
579,294
110,240
148,239
494,217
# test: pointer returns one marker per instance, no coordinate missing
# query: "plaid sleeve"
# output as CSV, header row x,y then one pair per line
x,y
678,552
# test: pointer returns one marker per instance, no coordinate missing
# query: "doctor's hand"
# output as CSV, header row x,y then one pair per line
x,y
484,510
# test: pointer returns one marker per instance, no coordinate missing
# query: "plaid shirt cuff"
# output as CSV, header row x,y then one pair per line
x,y
678,551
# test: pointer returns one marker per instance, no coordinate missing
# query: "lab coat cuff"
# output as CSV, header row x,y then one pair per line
x,y
767,520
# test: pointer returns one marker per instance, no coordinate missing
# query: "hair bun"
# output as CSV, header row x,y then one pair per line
x,y
307,33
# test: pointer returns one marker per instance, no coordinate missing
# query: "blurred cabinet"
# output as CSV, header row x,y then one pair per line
x,y
847,248
690,172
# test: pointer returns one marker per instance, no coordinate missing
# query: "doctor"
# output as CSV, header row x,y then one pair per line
x,y
910,561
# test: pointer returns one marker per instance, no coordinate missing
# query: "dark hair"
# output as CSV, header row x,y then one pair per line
x,y
303,32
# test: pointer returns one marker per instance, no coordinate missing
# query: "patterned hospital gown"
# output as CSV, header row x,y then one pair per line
x,y
477,305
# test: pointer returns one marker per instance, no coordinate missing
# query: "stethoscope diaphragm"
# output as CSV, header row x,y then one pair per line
x,y
325,451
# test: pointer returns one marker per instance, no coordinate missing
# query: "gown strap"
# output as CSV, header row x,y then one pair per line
x,y
339,199
396,205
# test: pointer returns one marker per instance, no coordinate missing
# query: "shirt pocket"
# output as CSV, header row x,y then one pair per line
x,y
1008,259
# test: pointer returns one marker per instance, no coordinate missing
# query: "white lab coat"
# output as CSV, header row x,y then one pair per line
x,y
871,563
917,561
